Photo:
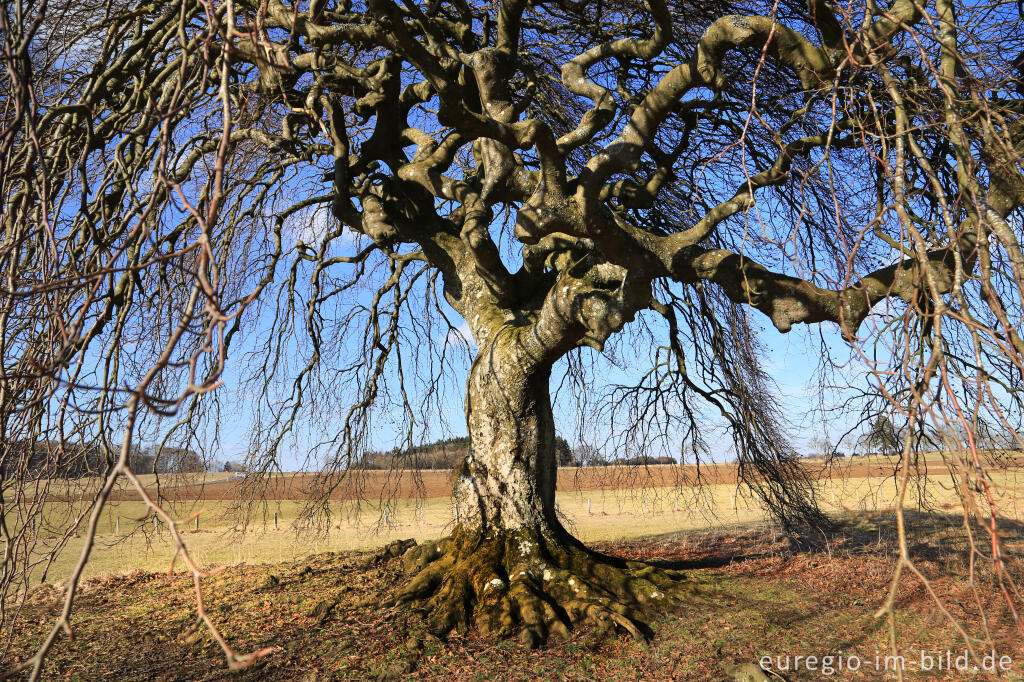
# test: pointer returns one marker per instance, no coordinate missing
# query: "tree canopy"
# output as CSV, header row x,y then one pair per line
x,y
554,172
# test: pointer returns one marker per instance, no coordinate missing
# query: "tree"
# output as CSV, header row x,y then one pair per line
x,y
882,436
556,170
563,453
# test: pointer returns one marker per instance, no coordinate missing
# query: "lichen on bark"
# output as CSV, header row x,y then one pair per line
x,y
510,566
536,581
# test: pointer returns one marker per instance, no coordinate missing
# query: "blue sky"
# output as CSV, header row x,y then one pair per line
x,y
791,361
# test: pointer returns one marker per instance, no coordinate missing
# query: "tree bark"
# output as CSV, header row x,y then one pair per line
x,y
508,479
509,564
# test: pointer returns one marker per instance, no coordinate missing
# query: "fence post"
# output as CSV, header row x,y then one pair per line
x,y
156,522
275,520
117,525
588,506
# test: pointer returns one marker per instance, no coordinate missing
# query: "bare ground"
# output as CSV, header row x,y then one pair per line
x,y
755,593
437,483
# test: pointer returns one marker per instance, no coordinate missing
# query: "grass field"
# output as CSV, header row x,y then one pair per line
x,y
748,594
315,596
128,539
437,483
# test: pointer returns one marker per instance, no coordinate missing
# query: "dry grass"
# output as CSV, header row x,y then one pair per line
x,y
128,542
752,594
437,483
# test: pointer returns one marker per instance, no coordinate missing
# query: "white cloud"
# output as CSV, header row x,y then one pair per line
x,y
310,227
461,334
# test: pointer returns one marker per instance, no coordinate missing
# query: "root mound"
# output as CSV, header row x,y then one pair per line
x,y
536,583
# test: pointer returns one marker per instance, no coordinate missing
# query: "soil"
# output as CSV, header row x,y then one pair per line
x,y
437,483
756,594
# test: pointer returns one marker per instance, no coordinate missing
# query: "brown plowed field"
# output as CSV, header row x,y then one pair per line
x,y
437,483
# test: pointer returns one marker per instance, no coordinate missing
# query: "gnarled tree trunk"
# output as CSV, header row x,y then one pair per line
x,y
508,479
509,563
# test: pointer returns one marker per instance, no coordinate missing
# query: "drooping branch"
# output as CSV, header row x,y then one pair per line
x,y
195,147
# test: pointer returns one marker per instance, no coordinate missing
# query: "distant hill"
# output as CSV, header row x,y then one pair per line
x,y
448,453
52,459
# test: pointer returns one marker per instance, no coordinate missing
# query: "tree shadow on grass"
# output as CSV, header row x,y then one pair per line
x,y
931,536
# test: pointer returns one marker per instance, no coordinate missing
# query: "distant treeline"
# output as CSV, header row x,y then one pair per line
x,y
634,461
445,453
448,453
53,459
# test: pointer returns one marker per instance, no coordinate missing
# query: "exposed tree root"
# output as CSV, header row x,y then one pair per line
x,y
532,582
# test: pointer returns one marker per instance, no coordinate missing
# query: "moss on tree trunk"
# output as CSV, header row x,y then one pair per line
x,y
510,566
